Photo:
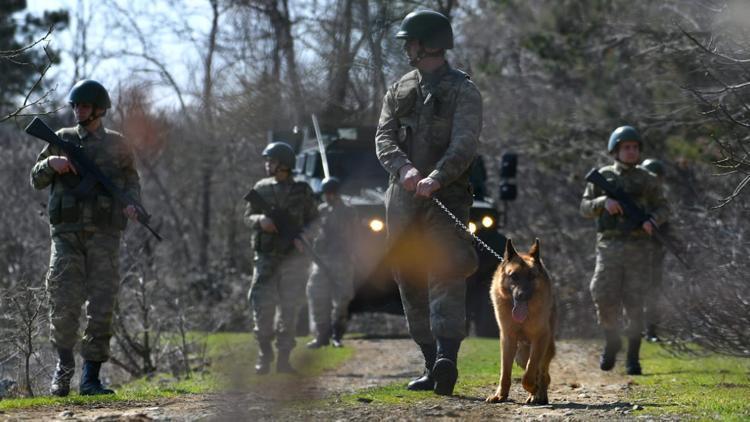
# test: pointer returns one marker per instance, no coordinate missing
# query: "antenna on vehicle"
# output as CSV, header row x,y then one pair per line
x,y
321,147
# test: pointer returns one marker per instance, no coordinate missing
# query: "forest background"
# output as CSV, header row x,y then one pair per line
x,y
197,85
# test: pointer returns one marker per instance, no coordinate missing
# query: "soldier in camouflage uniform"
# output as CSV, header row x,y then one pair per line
x,y
280,268
622,254
86,228
653,295
329,291
427,138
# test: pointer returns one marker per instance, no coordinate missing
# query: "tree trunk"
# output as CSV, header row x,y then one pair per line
x,y
374,43
282,27
209,161
342,63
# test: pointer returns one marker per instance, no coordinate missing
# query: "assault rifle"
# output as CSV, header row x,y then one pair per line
x,y
90,173
288,230
633,213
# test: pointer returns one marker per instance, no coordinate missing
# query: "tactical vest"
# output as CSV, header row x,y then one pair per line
x,y
425,118
292,202
634,186
96,209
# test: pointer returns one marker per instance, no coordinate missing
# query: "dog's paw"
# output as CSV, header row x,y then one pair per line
x,y
530,383
496,398
537,399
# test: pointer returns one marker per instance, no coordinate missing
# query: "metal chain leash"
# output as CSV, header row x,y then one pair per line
x,y
482,245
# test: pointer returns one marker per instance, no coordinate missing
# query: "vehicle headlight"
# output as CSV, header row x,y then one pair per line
x,y
472,227
376,225
487,221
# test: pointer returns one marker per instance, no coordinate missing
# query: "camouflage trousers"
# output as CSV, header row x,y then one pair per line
x,y
84,268
434,258
328,296
277,295
620,281
652,314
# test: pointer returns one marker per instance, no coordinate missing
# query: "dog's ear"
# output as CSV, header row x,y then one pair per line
x,y
534,250
510,252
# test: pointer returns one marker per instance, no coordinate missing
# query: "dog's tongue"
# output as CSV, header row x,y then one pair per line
x,y
520,310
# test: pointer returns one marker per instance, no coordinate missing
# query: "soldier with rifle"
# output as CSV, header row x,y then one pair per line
x,y
628,205
278,210
94,189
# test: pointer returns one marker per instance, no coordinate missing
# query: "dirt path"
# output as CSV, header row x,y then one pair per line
x,y
577,393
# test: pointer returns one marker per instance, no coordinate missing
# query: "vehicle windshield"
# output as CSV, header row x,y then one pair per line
x,y
358,166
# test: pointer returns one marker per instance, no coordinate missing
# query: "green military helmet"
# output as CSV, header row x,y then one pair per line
x,y
330,185
623,133
654,166
282,152
431,28
89,91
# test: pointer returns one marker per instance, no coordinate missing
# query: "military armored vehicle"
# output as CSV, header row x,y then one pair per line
x,y
351,157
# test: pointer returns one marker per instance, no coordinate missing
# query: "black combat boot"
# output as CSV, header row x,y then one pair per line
x,y
322,339
611,347
317,343
632,362
651,336
339,328
425,382
282,363
66,366
90,384
265,357
445,371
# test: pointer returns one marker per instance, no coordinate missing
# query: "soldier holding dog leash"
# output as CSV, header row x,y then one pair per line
x,y
427,139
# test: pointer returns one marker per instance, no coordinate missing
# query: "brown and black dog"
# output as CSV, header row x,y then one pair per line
x,y
525,309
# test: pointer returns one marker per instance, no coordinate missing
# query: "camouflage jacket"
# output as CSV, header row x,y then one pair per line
x,y
97,211
642,186
335,230
294,197
431,121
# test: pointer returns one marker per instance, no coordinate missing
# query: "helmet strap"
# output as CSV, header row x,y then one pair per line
x,y
281,171
93,116
422,53
413,62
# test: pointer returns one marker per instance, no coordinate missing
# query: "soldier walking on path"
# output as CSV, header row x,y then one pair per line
x,y
85,227
329,291
427,138
623,251
280,267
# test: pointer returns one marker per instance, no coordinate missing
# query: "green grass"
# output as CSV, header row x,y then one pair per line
x,y
713,387
709,388
706,388
230,356
478,364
